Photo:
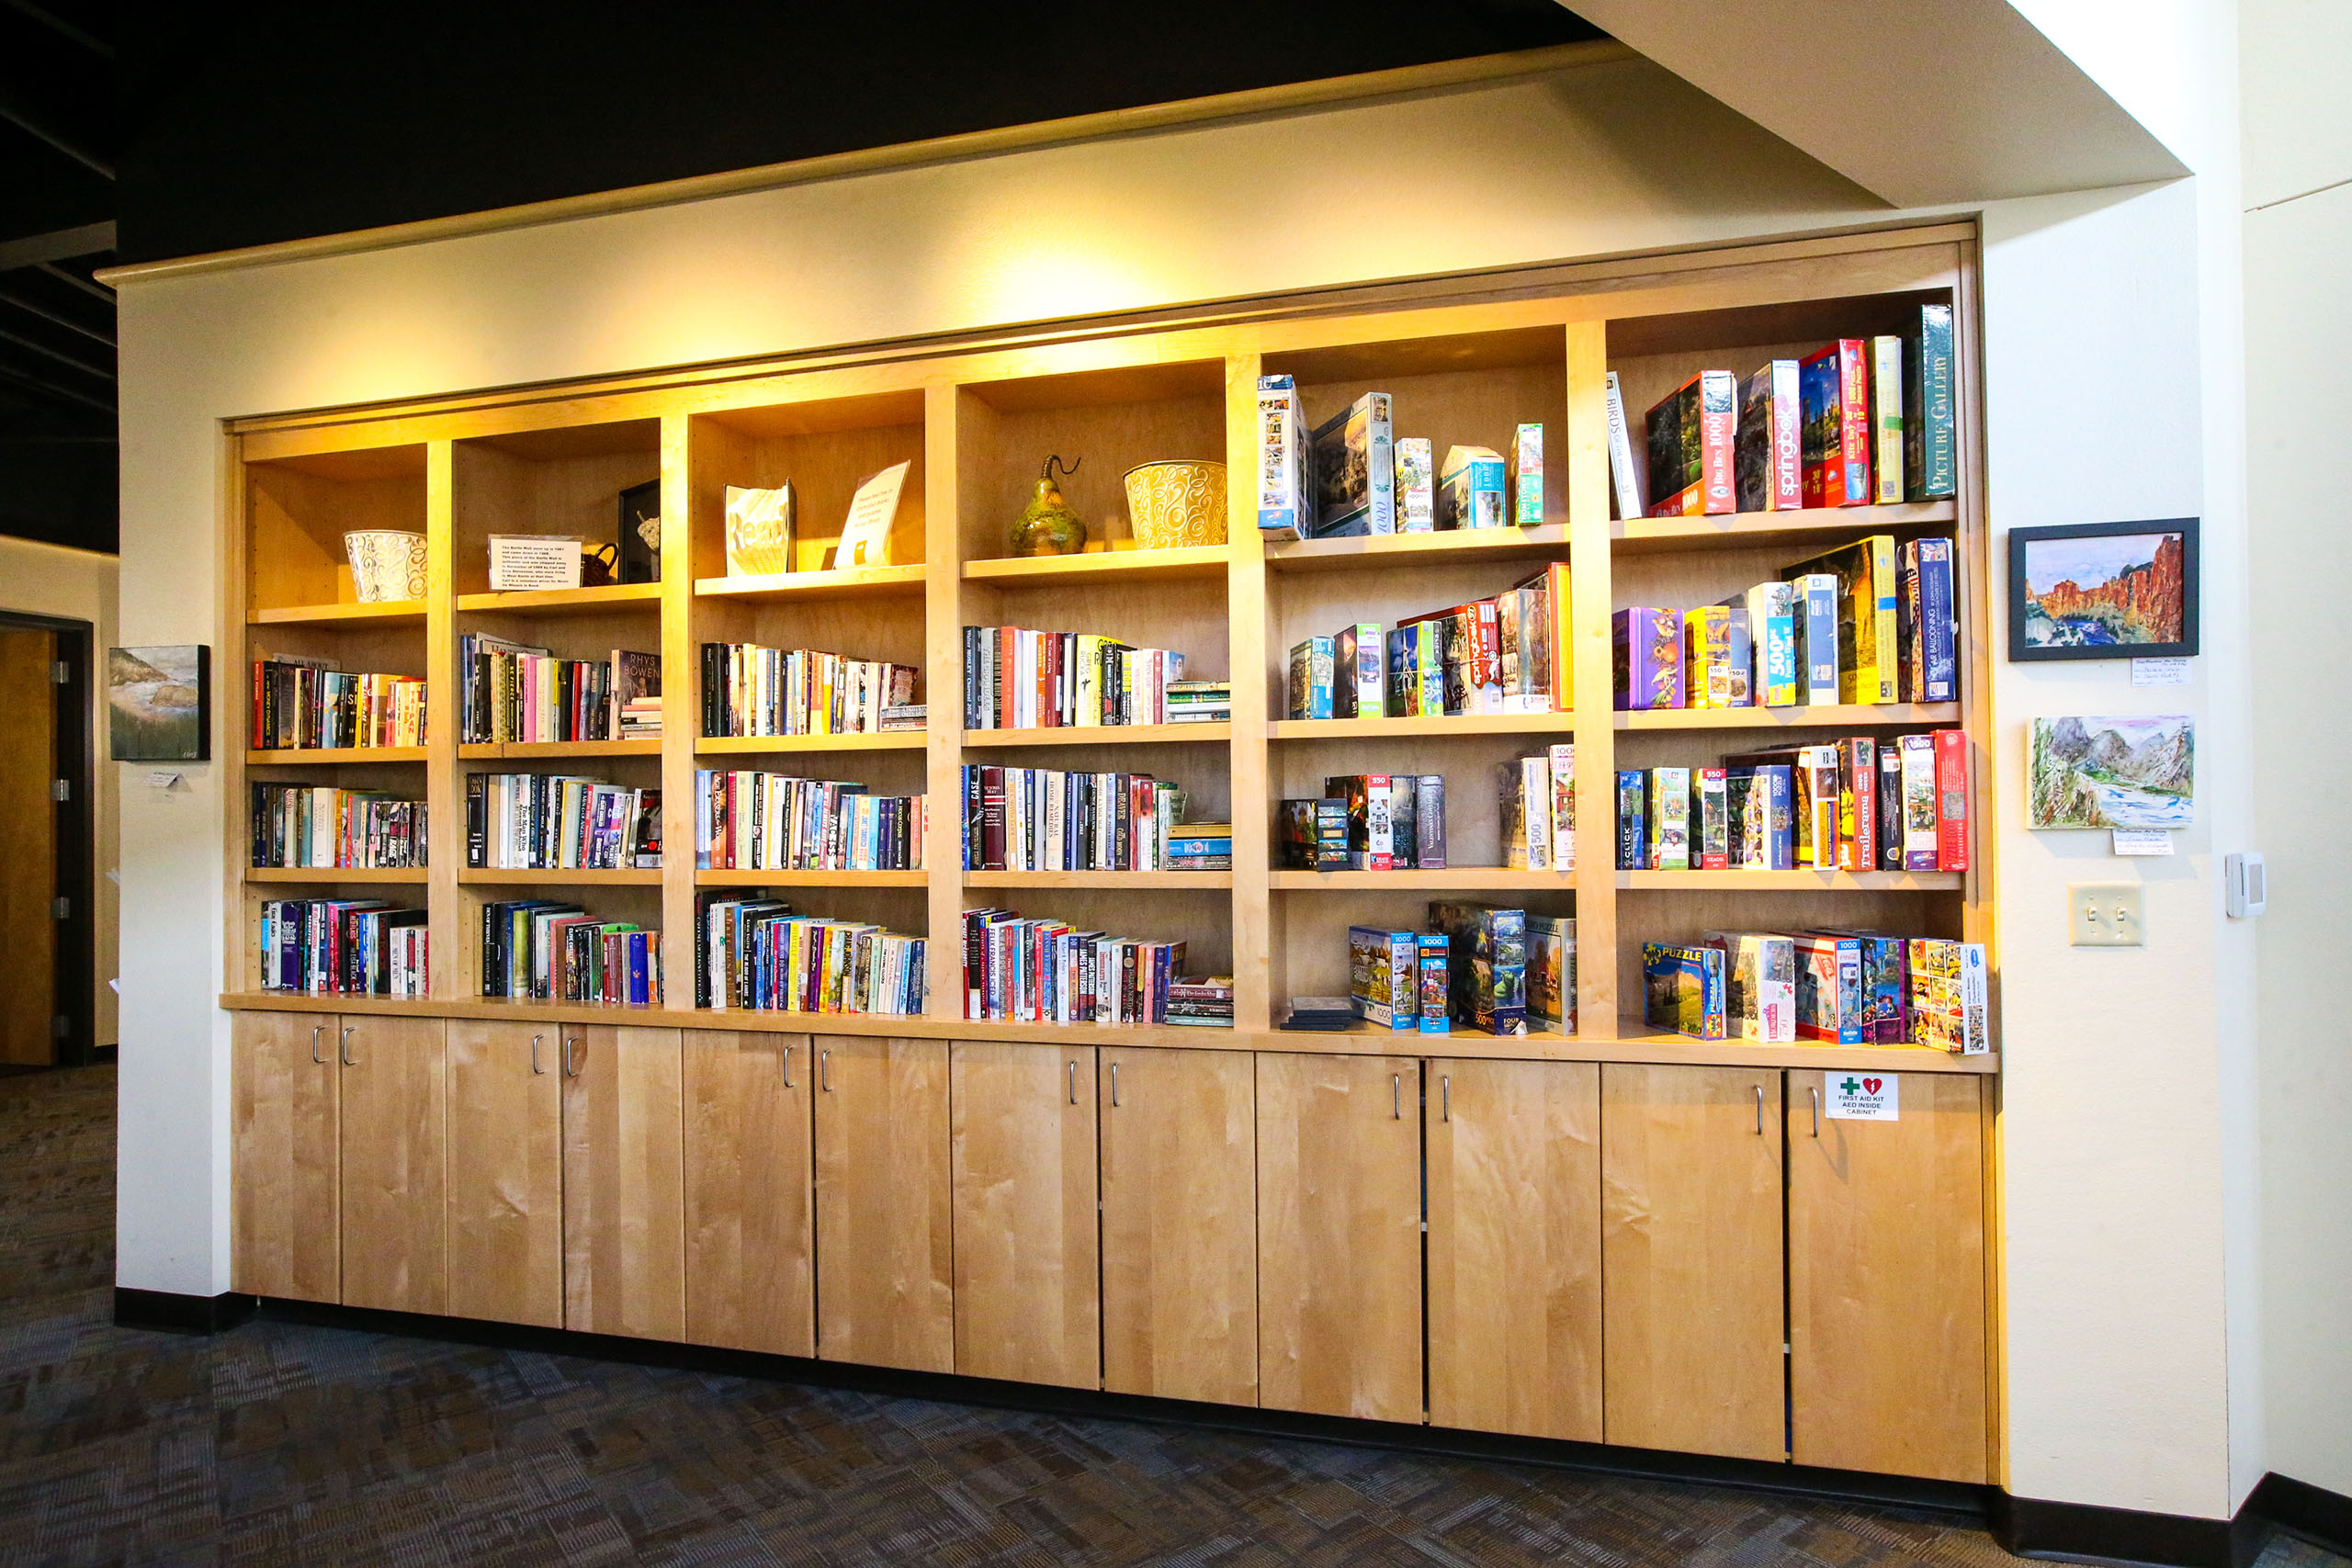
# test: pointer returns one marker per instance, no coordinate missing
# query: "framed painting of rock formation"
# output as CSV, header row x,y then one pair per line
x,y
2112,772
2104,591
159,703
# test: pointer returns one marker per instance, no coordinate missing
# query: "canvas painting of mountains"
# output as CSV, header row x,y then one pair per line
x,y
2112,772
157,704
2105,594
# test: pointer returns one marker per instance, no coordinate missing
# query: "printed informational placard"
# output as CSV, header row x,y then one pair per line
x,y
1860,1096
2143,840
2160,672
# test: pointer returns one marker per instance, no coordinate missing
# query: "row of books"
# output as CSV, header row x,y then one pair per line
x,y
1507,654
1858,422
548,822
1869,622
1365,822
307,703
1844,987
752,951
511,691
1049,819
317,825
343,947
545,950
1859,803
746,820
1018,679
1479,966
750,690
1027,971
1353,475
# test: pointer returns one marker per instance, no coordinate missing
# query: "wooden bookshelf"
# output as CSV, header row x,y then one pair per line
x,y
974,422
316,876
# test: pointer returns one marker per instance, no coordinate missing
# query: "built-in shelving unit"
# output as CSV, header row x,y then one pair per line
x,y
975,425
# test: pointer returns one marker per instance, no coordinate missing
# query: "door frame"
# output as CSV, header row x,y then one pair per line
x,y
75,981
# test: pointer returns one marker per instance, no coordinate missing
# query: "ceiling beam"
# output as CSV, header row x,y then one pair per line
x,y
58,354
41,386
29,119
33,250
61,26
9,296
1922,103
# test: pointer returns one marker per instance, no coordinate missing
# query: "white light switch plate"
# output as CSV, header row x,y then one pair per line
x,y
2104,914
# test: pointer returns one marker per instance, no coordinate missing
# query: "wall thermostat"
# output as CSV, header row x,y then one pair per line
x,y
2245,885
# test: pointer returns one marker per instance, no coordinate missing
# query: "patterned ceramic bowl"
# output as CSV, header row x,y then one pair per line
x,y
387,565
1176,504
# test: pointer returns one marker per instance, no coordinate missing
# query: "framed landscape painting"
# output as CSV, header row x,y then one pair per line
x,y
2112,772
2104,591
159,703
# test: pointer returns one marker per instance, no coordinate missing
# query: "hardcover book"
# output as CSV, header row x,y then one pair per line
x,y
1646,643
1931,460
1690,441
1355,470
1416,485
1834,387
1625,474
1684,991
1768,450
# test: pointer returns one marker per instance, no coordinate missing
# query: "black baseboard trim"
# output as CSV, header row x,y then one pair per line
x,y
2319,1516
168,1312
102,1053
2031,1527
1756,1475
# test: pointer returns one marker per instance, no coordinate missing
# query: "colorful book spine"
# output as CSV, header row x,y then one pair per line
x,y
1890,807
1285,464
1858,803
1428,822
1930,452
1561,763
1760,985
1815,609
1527,475
1951,800
1383,977
1470,487
1772,632
1740,652
1633,819
1706,657
1684,991
1624,473
1670,814
1887,421
1313,673
1403,671
1829,991
1359,687
1551,974
1355,470
1691,433
1760,802
1432,969
1646,643
1920,832
1770,444
1416,486
1711,812
1818,787
1932,652
1833,383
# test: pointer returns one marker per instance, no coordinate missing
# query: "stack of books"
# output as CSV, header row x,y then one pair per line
x,y
1322,1014
543,950
307,703
1200,846
1200,702
1857,422
746,820
748,690
1858,803
751,950
1873,622
1201,1001
345,947
1844,987
636,696
1018,679
901,718
544,823
305,825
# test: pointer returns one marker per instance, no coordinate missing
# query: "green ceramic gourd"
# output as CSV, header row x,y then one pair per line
x,y
1047,526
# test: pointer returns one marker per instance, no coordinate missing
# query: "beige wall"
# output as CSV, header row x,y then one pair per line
x,y
79,585
2297,342
2113,1145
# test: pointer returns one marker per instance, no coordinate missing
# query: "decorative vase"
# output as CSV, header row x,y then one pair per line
x,y
387,565
1171,504
1047,526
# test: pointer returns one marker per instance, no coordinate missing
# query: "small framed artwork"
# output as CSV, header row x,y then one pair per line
x,y
159,703
2104,591
2136,771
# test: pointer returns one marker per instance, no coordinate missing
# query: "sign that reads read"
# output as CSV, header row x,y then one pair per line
x,y
1860,1096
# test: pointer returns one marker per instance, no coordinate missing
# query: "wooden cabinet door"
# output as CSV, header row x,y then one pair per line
x,y
505,1185
1023,1175
394,1093
285,1220
1340,1234
885,1248
1690,1260
1887,1280
1514,1248
624,1183
1180,1224
750,1205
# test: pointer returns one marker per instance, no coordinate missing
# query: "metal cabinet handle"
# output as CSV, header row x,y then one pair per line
x,y
1115,1086
1396,1096
1073,1082
787,1066
317,1060
1816,1092
825,1071
1446,1095
1759,1111
535,1068
570,1068
343,1047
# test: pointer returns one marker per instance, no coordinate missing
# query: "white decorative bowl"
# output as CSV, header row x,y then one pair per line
x,y
387,565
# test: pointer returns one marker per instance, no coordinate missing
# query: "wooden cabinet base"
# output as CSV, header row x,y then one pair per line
x,y
624,1184
286,1221
750,1261
885,1243
394,1097
506,1181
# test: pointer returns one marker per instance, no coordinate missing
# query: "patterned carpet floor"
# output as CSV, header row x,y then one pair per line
x,y
287,1443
